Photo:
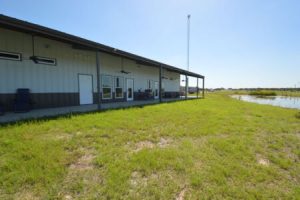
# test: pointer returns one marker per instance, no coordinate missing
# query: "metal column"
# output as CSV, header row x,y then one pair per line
x,y
98,81
186,86
197,87
203,87
160,83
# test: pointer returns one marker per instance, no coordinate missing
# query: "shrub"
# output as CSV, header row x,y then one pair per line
x,y
263,93
298,115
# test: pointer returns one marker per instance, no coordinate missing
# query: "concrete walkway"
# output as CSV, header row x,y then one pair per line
x,y
52,112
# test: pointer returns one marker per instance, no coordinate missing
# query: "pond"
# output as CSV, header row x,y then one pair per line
x,y
282,101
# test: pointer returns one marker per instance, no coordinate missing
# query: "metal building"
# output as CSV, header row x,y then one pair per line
x,y
61,70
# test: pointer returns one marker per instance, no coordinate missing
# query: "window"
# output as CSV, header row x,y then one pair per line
x,y
43,60
106,87
10,56
119,82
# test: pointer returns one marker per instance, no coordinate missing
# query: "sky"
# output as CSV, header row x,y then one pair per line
x,y
234,43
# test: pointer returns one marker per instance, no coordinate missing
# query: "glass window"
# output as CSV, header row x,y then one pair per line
x,y
119,82
106,87
106,93
43,60
10,56
106,81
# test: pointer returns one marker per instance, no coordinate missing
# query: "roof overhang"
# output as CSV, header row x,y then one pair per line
x,y
78,42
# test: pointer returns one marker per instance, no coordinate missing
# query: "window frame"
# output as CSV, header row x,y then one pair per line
x,y
11,53
39,59
111,87
122,87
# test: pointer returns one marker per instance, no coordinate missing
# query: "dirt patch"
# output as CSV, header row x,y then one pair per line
x,y
68,197
262,161
198,165
63,137
139,180
25,195
81,173
144,145
290,155
180,196
163,143
83,163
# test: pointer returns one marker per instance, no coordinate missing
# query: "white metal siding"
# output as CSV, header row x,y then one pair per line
x,y
41,78
172,83
112,65
63,78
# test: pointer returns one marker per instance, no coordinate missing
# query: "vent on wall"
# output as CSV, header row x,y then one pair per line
x,y
10,56
43,60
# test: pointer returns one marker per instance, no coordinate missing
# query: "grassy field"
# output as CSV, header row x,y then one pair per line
x,y
213,148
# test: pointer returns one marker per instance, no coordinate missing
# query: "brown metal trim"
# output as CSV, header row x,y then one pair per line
x,y
43,100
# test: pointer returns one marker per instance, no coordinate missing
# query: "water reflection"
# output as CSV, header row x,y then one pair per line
x,y
282,101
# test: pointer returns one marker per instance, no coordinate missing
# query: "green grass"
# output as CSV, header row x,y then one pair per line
x,y
213,148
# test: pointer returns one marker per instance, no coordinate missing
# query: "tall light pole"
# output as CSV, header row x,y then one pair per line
x,y
188,42
188,55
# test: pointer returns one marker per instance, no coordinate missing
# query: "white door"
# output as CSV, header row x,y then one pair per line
x,y
156,90
129,89
85,89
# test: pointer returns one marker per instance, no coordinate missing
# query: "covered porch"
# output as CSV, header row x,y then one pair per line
x,y
192,85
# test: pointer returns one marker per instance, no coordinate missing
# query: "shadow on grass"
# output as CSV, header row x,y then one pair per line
x,y
297,115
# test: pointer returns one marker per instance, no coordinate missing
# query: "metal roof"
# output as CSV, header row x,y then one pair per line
x,y
35,29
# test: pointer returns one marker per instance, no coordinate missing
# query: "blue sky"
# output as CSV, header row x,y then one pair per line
x,y
234,43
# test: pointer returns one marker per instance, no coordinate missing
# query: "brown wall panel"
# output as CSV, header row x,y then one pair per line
x,y
43,100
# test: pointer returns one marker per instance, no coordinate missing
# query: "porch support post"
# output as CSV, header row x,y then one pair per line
x,y
203,82
98,80
186,86
197,87
160,83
